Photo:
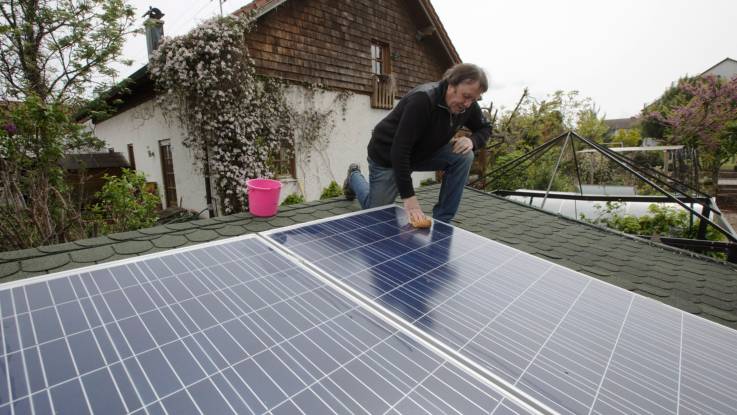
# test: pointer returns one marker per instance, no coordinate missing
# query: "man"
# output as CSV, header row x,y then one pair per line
x,y
417,135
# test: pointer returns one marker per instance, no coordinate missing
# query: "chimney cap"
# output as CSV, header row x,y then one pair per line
x,y
154,13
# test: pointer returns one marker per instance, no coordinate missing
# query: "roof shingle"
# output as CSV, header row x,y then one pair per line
x,y
679,278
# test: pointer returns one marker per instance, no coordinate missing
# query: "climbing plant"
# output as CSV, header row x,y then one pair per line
x,y
313,124
234,121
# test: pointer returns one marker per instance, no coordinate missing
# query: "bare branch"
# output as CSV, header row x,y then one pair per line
x,y
516,108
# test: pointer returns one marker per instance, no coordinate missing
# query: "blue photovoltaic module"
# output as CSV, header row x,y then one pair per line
x,y
354,314
576,344
230,327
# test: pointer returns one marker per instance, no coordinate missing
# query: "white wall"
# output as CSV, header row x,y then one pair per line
x,y
348,134
144,126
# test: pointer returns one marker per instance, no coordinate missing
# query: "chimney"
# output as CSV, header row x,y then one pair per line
x,y
154,28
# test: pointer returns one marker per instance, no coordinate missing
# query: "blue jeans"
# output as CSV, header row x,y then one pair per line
x,y
381,189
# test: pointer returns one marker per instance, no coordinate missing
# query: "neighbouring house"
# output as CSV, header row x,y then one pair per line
x,y
622,123
617,124
727,68
363,55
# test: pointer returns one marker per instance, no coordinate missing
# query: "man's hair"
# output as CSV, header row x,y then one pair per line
x,y
466,72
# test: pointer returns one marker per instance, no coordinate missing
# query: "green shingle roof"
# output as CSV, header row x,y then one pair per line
x,y
47,259
679,278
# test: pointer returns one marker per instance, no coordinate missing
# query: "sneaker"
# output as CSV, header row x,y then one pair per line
x,y
347,191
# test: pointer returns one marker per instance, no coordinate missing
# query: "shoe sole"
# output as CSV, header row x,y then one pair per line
x,y
347,191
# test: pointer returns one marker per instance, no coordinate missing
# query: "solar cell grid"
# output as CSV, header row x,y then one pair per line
x,y
577,344
229,328
237,327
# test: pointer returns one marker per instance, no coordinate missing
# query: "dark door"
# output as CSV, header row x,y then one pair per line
x,y
131,157
167,168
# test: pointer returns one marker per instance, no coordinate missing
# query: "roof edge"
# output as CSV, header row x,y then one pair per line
x,y
260,6
450,49
717,64
117,91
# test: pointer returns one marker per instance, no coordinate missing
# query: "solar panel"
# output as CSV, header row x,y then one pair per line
x,y
226,327
577,344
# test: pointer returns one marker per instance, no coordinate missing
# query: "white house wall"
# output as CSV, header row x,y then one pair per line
x,y
348,135
144,126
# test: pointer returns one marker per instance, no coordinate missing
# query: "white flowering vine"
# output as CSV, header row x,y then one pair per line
x,y
206,80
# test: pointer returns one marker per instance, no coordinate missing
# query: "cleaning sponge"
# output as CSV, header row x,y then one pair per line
x,y
422,223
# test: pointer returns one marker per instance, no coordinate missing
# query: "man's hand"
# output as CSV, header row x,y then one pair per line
x,y
414,212
461,145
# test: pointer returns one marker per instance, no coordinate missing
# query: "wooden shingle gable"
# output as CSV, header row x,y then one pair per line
x,y
329,42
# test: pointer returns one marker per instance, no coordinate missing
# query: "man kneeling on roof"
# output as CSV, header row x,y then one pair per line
x,y
417,135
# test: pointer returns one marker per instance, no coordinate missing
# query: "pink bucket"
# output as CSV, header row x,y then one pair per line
x,y
263,196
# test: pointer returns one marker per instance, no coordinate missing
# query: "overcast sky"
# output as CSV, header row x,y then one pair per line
x,y
622,53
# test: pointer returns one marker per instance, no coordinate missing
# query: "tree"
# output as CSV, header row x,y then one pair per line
x,y
53,54
704,119
651,125
529,125
535,121
590,125
60,50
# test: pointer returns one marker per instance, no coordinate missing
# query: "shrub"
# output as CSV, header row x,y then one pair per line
x,y
428,182
37,206
534,173
662,220
333,190
124,204
293,199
